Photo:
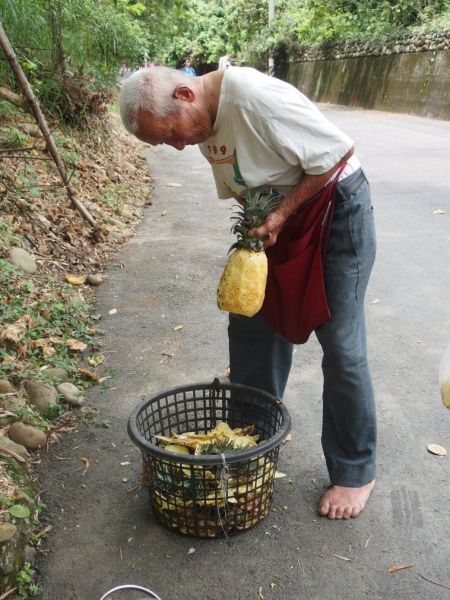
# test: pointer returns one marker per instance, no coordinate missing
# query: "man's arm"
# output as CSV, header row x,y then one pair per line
x,y
307,187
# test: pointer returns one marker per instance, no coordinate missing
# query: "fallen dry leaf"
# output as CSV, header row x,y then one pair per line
x,y
6,413
87,463
178,327
396,568
47,348
75,279
88,374
14,333
17,330
437,450
76,345
96,359
13,454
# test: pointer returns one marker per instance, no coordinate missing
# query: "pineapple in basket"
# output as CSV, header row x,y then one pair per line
x,y
243,283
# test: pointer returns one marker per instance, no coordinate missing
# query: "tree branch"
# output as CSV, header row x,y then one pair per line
x,y
13,98
43,126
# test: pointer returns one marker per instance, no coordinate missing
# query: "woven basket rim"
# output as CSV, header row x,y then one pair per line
x,y
260,449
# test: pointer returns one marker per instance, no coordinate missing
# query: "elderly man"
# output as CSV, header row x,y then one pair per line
x,y
259,132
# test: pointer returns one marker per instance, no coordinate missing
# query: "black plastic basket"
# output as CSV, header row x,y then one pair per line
x,y
210,495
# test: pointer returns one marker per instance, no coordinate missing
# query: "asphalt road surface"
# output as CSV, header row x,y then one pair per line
x,y
104,531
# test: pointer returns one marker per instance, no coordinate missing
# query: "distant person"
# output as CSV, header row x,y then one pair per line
x,y
187,69
125,70
224,63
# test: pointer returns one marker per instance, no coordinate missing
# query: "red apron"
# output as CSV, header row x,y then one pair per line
x,y
296,302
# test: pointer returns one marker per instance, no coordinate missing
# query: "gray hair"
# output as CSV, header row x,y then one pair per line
x,y
150,90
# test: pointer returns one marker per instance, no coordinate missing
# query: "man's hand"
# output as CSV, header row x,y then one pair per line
x,y
270,229
307,188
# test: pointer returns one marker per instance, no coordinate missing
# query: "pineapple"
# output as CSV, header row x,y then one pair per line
x,y
243,284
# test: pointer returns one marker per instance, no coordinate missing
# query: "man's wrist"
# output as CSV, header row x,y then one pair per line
x,y
289,205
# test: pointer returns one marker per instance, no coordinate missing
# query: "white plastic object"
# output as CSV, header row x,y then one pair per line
x,y
137,588
444,378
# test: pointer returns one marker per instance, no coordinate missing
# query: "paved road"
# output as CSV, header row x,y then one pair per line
x,y
104,532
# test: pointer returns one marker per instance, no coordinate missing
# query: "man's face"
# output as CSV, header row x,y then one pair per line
x,y
186,127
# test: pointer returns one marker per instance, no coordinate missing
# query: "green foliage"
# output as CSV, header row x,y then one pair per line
x,y
8,239
19,511
61,313
24,582
5,502
208,29
28,182
8,110
11,137
87,40
336,21
31,417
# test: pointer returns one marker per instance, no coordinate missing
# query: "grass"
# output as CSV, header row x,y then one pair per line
x,y
49,314
24,582
11,137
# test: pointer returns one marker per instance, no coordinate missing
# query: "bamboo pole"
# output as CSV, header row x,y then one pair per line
x,y
43,126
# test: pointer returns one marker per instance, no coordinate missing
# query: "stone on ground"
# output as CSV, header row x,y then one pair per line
x,y
71,394
7,444
41,395
56,374
5,386
23,260
27,435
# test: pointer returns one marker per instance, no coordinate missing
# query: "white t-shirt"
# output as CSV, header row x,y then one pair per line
x,y
267,134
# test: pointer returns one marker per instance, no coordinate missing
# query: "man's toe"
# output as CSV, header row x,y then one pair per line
x,y
331,512
348,513
339,512
324,508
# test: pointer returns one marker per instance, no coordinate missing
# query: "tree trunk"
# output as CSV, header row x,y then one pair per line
x,y
55,17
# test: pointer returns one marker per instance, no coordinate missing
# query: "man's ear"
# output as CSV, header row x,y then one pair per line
x,y
184,93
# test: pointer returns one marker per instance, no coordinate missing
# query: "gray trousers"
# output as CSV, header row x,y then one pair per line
x,y
261,358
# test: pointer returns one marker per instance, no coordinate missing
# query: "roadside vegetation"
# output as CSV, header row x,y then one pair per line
x,y
50,334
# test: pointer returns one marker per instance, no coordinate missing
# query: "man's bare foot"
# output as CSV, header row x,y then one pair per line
x,y
340,502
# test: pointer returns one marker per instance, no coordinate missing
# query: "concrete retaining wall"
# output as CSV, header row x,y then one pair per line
x,y
416,83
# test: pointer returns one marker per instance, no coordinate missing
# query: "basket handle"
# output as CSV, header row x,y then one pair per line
x,y
136,588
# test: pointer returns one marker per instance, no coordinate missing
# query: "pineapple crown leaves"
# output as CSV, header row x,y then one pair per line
x,y
220,446
252,213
